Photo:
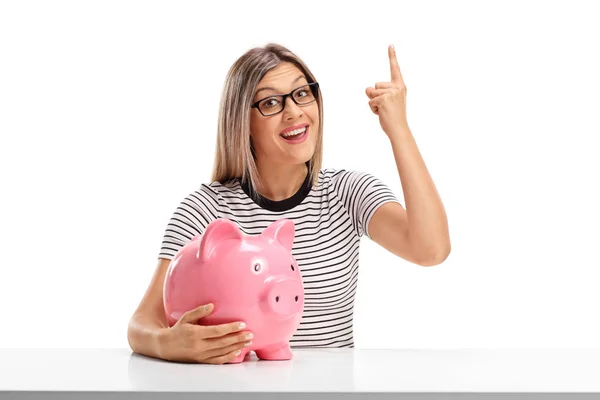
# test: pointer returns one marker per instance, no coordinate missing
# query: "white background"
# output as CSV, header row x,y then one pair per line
x,y
108,116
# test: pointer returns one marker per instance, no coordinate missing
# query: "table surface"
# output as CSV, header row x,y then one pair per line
x,y
311,370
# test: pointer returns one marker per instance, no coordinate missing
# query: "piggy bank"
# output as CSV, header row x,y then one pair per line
x,y
249,278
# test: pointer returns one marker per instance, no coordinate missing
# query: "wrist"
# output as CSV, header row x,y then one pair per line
x,y
399,134
160,340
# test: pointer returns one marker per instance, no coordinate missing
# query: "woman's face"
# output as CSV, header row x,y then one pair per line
x,y
266,132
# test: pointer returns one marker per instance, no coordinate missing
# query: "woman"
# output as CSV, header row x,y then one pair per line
x,y
267,167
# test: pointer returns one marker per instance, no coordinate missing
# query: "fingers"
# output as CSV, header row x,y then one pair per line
x,y
192,316
214,344
222,359
372,93
228,348
385,85
192,344
217,331
373,103
231,339
213,331
374,107
223,348
394,67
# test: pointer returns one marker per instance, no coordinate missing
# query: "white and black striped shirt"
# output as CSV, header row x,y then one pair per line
x,y
330,218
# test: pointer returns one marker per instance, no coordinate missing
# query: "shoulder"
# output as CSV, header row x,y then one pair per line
x,y
335,175
344,180
211,194
216,190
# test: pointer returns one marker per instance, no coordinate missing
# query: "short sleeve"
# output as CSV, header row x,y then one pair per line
x,y
362,194
190,218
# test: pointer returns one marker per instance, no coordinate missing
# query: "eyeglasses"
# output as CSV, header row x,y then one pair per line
x,y
275,104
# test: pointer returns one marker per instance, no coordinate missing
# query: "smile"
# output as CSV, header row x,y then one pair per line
x,y
296,136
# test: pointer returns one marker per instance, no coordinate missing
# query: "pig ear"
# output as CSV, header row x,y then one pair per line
x,y
282,231
217,231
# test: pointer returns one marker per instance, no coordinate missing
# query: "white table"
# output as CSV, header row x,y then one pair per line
x,y
332,373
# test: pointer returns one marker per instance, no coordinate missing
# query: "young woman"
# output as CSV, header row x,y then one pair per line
x,y
268,166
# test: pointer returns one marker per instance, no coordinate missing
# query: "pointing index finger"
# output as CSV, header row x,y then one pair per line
x,y
394,67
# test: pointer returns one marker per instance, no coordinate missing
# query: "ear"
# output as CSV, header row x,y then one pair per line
x,y
217,231
282,231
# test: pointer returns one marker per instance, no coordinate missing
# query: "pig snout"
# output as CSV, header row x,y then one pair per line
x,y
285,297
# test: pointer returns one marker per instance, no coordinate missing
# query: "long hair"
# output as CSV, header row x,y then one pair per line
x,y
234,156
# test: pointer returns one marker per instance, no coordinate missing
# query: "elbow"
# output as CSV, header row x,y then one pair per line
x,y
131,334
434,257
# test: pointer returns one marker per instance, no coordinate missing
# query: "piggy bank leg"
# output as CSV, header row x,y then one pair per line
x,y
277,352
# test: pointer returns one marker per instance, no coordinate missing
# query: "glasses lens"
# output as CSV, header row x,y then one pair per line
x,y
272,105
304,95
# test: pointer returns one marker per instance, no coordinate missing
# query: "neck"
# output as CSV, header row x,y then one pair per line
x,y
280,181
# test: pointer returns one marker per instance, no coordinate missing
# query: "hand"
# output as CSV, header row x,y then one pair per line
x,y
388,99
187,341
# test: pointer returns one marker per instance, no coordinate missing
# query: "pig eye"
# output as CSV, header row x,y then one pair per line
x,y
293,267
257,267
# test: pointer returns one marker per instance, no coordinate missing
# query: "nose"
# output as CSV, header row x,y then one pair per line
x,y
291,109
286,297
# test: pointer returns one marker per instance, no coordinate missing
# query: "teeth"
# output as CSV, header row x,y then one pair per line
x,y
294,132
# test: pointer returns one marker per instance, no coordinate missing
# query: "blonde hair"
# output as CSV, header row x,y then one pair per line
x,y
234,156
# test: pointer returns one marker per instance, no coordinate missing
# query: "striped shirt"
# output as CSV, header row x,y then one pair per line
x,y
330,218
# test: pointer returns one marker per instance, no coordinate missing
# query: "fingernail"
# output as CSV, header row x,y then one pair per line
x,y
248,343
242,325
249,336
238,352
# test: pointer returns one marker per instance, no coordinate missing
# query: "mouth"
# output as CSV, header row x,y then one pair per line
x,y
296,135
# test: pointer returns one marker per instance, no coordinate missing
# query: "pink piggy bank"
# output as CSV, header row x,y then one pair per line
x,y
250,278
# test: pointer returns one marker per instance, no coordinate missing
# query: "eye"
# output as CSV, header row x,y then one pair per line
x,y
301,91
268,103
292,267
257,267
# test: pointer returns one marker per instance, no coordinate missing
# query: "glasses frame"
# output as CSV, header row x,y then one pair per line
x,y
285,96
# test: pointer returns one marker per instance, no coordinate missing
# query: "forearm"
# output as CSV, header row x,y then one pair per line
x,y
427,221
144,334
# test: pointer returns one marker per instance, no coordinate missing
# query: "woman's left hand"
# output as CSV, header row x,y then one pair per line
x,y
388,99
